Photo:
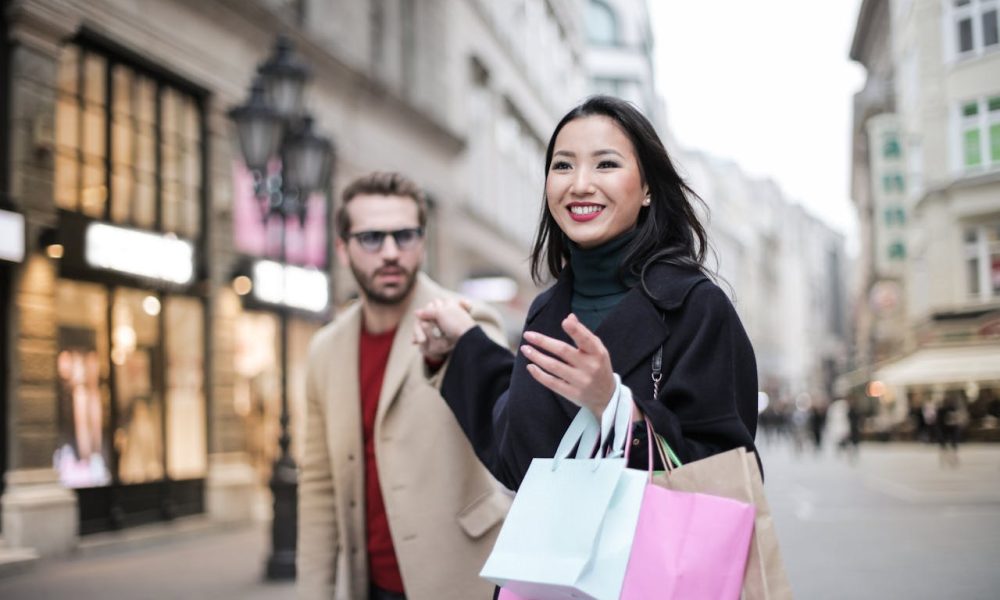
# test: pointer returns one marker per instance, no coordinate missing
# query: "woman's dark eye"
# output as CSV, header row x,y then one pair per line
x,y
607,164
560,165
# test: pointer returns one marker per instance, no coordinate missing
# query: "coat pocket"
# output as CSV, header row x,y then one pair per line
x,y
484,513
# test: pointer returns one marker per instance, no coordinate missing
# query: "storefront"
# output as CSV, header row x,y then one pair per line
x,y
11,253
282,304
130,294
964,376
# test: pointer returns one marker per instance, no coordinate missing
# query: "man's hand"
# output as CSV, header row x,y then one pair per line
x,y
439,325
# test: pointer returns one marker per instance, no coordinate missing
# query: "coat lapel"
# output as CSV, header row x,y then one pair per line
x,y
403,351
343,392
631,332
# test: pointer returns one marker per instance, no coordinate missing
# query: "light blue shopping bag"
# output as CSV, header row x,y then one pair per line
x,y
569,531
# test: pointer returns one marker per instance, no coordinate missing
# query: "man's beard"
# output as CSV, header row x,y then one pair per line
x,y
396,296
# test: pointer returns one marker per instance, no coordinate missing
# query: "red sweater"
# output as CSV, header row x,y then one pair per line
x,y
382,564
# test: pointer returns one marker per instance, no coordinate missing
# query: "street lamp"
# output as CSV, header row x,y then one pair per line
x,y
289,162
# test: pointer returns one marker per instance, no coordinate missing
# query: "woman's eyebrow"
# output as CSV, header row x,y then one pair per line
x,y
600,152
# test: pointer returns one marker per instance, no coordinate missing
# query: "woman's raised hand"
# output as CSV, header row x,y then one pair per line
x,y
583,375
440,324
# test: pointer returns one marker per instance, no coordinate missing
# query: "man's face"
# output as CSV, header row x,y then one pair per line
x,y
385,273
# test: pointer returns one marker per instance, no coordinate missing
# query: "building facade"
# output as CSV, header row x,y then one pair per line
x,y
939,140
142,331
619,55
784,270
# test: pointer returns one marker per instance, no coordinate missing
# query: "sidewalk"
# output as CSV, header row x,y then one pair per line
x,y
210,564
894,523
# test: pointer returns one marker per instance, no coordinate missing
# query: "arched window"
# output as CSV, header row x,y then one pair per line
x,y
602,24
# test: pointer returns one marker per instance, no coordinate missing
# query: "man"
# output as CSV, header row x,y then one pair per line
x,y
393,502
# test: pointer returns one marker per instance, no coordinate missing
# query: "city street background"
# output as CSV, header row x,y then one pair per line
x,y
894,523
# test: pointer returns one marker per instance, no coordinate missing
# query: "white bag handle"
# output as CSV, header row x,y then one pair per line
x,y
622,416
584,428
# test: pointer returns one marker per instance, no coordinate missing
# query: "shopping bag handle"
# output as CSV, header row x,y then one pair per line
x,y
584,430
583,427
622,418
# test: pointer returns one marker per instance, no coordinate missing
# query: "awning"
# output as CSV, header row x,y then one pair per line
x,y
944,364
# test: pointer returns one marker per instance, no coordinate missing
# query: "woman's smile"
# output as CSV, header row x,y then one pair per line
x,y
582,212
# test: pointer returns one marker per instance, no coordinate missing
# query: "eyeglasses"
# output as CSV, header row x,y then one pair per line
x,y
371,241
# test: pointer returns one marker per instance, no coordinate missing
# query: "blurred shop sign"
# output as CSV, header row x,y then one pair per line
x,y
11,236
140,253
288,285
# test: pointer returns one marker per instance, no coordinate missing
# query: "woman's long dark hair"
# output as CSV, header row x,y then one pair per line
x,y
668,230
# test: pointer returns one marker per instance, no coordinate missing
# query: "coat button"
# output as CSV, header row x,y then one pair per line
x,y
353,504
350,457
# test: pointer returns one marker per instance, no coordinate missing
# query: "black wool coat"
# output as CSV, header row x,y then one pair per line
x,y
707,401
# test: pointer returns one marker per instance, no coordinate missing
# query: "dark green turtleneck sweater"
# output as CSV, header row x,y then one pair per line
x,y
597,288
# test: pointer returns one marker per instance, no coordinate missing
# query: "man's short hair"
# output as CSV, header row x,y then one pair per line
x,y
380,183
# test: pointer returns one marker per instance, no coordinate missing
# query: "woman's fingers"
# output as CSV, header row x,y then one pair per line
x,y
553,383
554,366
553,346
584,338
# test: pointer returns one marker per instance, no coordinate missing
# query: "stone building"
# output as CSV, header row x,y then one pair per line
x,y
927,184
142,379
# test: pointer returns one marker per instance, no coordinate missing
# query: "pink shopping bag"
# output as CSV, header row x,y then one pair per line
x,y
688,546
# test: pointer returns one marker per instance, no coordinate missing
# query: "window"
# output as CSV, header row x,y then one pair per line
x,y
128,145
980,133
602,25
83,447
890,146
185,388
897,251
893,182
895,215
976,26
982,261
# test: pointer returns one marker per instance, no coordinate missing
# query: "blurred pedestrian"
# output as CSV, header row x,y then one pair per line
x,y
632,300
851,442
393,502
817,423
837,426
952,417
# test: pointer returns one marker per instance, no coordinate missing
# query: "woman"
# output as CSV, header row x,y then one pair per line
x,y
621,237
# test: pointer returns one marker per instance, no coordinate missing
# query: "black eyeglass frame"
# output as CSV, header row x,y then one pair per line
x,y
377,238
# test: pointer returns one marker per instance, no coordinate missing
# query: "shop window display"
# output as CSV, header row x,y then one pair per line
x,y
186,420
257,394
82,456
134,346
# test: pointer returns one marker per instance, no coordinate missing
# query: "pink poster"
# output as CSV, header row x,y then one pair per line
x,y
303,245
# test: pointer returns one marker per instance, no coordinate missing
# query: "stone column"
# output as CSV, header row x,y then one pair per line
x,y
38,512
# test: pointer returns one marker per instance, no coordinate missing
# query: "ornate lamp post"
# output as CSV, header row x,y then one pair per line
x,y
289,162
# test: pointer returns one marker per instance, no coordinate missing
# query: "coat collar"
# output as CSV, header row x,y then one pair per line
x,y
636,327
403,352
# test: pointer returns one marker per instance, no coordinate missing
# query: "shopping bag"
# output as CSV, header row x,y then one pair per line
x,y
688,547
569,531
735,474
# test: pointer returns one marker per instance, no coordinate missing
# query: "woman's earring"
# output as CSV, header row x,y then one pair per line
x,y
646,201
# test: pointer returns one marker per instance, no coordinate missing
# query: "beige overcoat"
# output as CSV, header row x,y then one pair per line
x,y
444,508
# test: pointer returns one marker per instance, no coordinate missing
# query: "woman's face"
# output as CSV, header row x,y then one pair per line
x,y
594,188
